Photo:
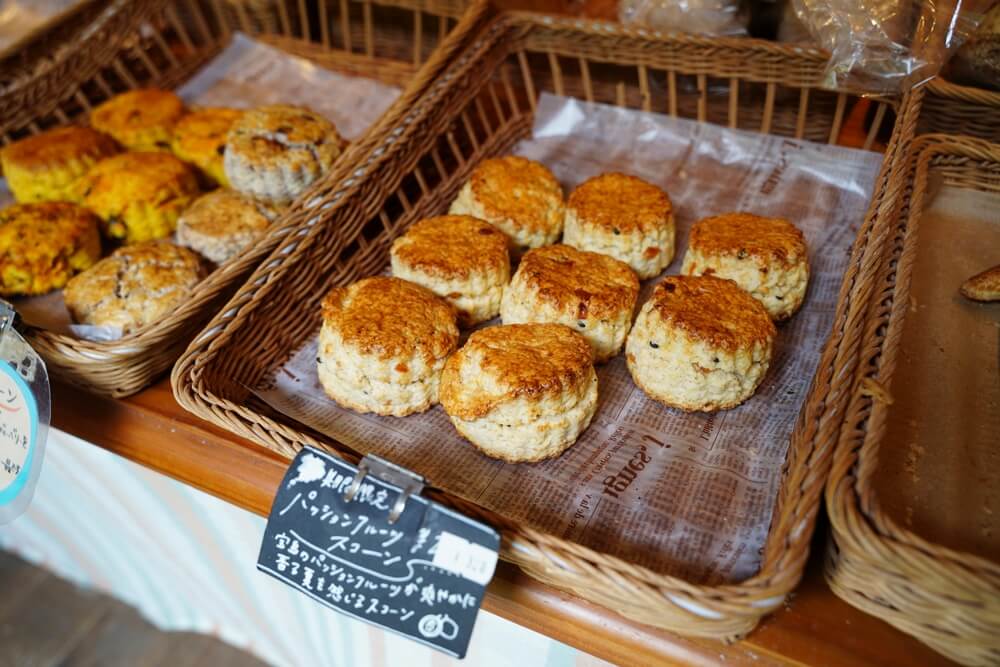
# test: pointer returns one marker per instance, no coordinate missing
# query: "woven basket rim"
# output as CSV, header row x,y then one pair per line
x,y
854,521
942,87
751,598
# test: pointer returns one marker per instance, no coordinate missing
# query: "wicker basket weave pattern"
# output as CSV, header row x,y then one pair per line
x,y
955,109
480,108
947,599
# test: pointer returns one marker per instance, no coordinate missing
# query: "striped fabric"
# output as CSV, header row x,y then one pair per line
x,y
186,560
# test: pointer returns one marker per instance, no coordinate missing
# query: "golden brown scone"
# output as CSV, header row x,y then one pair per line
x,y
140,120
200,138
765,256
135,286
43,244
591,293
223,223
983,286
700,343
625,217
45,166
521,392
139,196
275,152
383,344
520,197
459,258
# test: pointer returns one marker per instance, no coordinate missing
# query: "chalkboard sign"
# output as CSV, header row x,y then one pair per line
x,y
365,544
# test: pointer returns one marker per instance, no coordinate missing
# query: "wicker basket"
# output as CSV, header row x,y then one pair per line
x,y
955,109
135,43
481,107
947,599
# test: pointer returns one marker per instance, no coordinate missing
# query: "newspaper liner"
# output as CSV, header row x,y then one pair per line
x,y
685,494
246,74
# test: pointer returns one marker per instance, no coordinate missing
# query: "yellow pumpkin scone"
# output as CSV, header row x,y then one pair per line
x,y
521,392
700,343
276,152
765,256
140,120
383,344
200,138
134,286
518,196
43,244
459,258
44,167
138,196
223,223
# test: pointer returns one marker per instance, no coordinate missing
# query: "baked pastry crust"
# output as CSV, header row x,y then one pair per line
x,y
138,196
983,286
42,245
459,258
223,223
134,286
519,196
140,120
276,152
200,138
45,166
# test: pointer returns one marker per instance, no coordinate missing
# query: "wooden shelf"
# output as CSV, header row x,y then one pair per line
x,y
814,627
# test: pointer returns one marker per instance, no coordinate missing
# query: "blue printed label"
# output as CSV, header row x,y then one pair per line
x,y
18,433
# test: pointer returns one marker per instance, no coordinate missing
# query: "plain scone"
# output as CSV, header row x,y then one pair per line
x,y
592,294
983,286
765,256
519,196
624,217
700,343
521,392
140,120
276,152
459,258
223,223
134,286
383,344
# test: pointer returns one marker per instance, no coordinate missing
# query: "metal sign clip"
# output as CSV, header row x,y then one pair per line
x,y
408,481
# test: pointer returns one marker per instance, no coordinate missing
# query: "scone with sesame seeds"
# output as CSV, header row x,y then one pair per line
x,y
520,197
45,166
223,223
592,294
700,343
42,245
521,392
765,256
459,258
200,138
383,344
134,286
276,152
139,196
624,217
140,120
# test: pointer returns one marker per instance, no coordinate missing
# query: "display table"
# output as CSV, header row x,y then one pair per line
x,y
814,627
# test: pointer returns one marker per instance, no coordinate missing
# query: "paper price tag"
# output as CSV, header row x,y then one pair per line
x,y
365,548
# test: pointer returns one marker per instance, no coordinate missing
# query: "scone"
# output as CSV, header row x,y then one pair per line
x,y
983,286
700,343
44,167
592,294
223,223
521,392
276,152
139,196
765,256
625,217
200,138
383,344
134,286
43,244
519,196
459,258
140,120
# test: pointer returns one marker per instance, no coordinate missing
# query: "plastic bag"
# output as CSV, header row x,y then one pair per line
x,y
888,46
702,17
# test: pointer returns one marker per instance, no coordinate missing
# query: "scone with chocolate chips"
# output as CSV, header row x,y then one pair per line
x,y
135,286
276,152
